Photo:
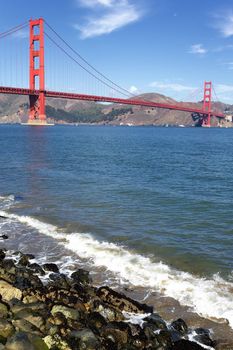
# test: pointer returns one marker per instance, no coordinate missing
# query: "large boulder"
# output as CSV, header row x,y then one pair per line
x,y
8,292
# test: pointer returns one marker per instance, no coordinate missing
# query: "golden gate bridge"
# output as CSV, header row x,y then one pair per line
x,y
38,92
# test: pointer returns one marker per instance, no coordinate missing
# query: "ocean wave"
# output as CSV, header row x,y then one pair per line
x,y
211,298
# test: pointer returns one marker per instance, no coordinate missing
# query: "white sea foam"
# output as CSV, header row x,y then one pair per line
x,y
210,298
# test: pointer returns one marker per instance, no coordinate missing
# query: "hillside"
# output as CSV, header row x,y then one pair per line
x,y
14,109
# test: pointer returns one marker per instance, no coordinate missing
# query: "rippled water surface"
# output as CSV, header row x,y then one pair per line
x,y
147,204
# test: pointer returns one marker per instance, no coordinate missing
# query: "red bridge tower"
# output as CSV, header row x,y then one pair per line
x,y
207,102
37,77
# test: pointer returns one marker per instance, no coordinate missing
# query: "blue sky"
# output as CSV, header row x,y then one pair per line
x,y
165,46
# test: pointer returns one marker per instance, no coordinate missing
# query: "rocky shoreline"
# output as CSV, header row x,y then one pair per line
x,y
68,312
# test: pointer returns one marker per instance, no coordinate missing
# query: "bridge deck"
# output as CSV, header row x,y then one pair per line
x,y
134,102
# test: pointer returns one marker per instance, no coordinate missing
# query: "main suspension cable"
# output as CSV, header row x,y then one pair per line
x,y
91,66
13,30
80,65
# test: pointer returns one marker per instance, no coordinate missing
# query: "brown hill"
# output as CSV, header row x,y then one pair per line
x,y
14,109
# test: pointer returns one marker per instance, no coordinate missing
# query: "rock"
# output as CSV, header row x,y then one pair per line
x,y
108,312
37,268
59,280
22,282
24,260
96,321
66,311
8,292
85,339
203,336
81,276
118,332
19,341
180,326
122,302
34,318
3,310
58,319
37,342
30,256
186,345
51,267
4,237
2,254
6,329
154,321
25,326
56,342
31,307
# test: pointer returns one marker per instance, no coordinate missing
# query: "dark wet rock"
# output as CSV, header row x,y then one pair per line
x,y
81,276
30,256
4,237
203,336
118,332
22,282
96,321
186,345
37,268
9,265
2,254
85,339
59,280
3,217
180,326
51,267
24,260
86,293
155,322
122,302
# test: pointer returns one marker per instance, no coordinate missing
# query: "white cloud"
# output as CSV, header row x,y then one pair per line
x,y
107,16
93,3
197,49
172,86
134,90
224,22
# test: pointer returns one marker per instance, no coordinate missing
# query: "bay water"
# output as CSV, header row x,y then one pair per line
x,y
144,207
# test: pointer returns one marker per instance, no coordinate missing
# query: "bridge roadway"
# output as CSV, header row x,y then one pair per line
x,y
83,97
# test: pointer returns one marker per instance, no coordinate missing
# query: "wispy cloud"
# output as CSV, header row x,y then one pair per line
x,y
172,86
224,92
223,88
107,16
198,49
21,34
224,22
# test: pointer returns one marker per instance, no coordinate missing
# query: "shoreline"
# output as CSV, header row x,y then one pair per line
x,y
78,312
